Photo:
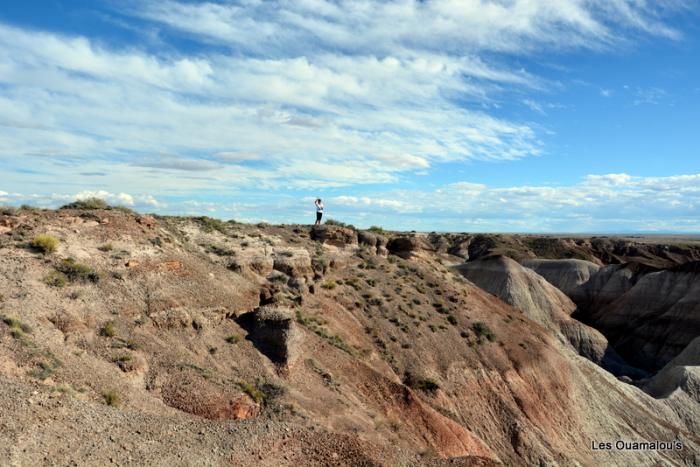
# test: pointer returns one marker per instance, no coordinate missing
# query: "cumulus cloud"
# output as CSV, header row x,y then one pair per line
x,y
598,203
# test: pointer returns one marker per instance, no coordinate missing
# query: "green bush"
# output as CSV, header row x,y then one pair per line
x,y
377,229
421,384
45,243
108,330
89,203
482,329
330,284
75,271
339,223
111,398
256,394
56,279
233,339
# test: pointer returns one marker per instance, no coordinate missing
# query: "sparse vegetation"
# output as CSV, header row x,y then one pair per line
x,y
108,330
233,339
322,372
8,210
329,284
377,229
43,370
106,247
75,271
256,394
209,224
89,203
47,244
482,329
316,326
339,223
421,383
111,398
56,279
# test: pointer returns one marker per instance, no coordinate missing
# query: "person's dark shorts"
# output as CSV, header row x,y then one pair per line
x,y
318,216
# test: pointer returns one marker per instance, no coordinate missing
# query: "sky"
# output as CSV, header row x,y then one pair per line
x,y
443,115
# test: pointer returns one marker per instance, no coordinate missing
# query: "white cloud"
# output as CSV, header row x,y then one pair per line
x,y
325,93
611,202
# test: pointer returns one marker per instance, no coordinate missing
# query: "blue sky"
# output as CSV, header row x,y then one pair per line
x,y
459,115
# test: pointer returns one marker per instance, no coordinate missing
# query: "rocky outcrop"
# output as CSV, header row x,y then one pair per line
x,y
408,246
375,242
566,275
274,332
334,235
252,262
545,304
294,262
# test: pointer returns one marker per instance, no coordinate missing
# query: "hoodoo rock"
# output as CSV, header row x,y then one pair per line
x,y
273,331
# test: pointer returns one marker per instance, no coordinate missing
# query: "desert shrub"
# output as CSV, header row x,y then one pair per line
x,y
482,329
375,301
89,203
123,209
111,398
256,394
16,325
210,224
233,339
56,279
330,284
421,384
131,344
43,370
45,243
322,372
339,223
106,247
377,229
316,325
452,320
107,330
75,271
8,210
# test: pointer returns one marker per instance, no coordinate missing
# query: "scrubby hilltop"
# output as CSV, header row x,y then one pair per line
x,y
176,341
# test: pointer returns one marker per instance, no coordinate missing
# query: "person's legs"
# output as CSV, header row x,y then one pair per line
x,y
318,218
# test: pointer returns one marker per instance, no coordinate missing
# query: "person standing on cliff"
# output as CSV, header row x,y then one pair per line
x,y
319,210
